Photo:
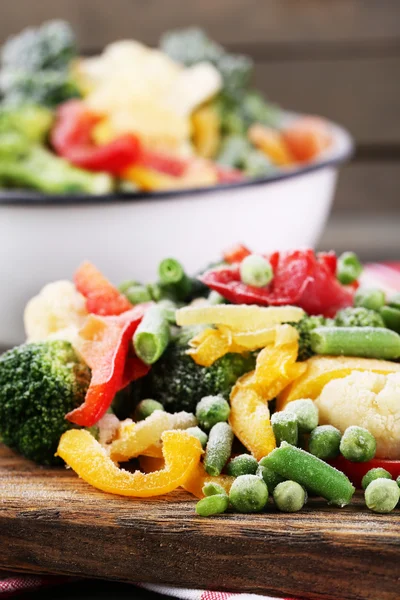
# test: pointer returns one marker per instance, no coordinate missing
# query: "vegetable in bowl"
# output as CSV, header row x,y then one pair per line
x,y
180,116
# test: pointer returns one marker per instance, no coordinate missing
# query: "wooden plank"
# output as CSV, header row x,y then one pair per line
x,y
231,21
50,521
362,95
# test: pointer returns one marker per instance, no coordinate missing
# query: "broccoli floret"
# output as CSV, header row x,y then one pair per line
x,y
39,169
31,121
39,384
179,383
35,65
304,327
358,317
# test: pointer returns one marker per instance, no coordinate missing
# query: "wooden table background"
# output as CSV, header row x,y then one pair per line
x,y
339,58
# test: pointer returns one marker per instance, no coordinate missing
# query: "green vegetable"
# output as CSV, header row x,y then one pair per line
x,y
211,489
358,444
256,271
382,495
256,164
212,505
125,285
289,496
170,309
371,298
211,410
349,268
285,427
248,494
306,414
145,408
215,298
394,301
244,464
39,384
358,317
324,442
270,477
391,317
219,448
398,481
304,327
311,472
35,66
199,434
373,474
174,282
367,342
179,383
151,338
237,152
43,171
137,294
30,121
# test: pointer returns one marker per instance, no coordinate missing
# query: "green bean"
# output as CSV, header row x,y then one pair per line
x,y
152,336
311,472
137,294
199,434
289,496
146,407
373,474
324,442
391,317
285,427
170,309
367,342
212,505
211,410
306,414
244,464
382,495
219,448
349,268
211,489
125,285
248,494
358,444
371,298
255,270
269,476
173,279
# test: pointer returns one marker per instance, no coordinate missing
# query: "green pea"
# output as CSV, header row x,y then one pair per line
x,y
349,268
358,444
245,464
199,434
382,495
306,413
285,427
373,474
289,496
270,477
324,442
248,494
212,505
371,298
255,270
394,301
211,410
391,317
212,489
145,408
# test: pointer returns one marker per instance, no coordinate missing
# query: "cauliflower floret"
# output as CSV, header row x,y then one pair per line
x,y
369,400
57,312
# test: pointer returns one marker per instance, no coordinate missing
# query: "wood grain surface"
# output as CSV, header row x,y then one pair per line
x,y
52,522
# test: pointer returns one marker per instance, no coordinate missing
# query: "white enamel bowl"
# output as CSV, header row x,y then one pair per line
x,y
44,238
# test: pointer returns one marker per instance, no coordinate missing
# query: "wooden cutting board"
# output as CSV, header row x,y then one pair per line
x,y
52,522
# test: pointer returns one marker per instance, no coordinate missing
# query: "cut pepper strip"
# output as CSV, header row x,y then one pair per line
x,y
195,483
102,298
136,438
301,278
104,344
181,452
235,254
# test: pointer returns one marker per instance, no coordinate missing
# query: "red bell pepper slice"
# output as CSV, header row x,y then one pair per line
x,y
102,298
356,471
105,350
301,278
71,139
235,254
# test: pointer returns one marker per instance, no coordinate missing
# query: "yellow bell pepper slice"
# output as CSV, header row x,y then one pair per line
x,y
250,419
278,335
322,369
195,483
240,317
135,438
271,143
148,464
206,131
276,367
181,451
212,344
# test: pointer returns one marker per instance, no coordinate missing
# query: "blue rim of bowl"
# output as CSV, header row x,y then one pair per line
x,y
339,152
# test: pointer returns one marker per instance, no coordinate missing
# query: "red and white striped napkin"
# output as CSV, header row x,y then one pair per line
x,y
382,275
